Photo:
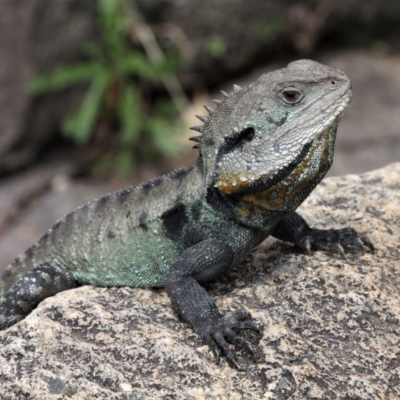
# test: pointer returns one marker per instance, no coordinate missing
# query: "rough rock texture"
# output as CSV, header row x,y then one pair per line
x,y
331,326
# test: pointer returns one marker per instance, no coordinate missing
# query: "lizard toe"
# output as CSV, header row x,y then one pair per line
x,y
220,339
342,241
219,330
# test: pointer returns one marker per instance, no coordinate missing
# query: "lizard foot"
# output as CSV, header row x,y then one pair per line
x,y
216,330
338,240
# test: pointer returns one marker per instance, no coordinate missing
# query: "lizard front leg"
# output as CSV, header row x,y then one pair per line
x,y
293,228
198,264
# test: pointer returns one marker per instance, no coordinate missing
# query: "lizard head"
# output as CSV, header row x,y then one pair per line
x,y
259,135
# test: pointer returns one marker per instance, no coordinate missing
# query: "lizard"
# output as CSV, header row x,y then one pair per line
x,y
262,150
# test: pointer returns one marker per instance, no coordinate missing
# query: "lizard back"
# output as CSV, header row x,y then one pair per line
x,y
121,226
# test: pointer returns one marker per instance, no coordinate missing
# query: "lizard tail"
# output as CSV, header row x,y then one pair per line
x,y
30,289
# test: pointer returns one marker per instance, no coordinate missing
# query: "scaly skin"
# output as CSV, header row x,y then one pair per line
x,y
262,151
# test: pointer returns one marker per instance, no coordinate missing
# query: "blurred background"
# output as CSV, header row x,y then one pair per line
x,y
96,95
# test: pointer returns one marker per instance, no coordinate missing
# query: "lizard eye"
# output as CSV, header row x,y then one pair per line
x,y
291,95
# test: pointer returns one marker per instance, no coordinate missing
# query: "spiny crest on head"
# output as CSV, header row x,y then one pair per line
x,y
200,128
206,118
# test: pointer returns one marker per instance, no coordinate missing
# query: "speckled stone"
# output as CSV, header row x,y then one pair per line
x,y
331,326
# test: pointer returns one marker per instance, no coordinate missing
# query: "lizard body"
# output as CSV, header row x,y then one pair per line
x,y
261,152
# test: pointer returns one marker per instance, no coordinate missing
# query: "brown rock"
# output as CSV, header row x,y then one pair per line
x,y
331,326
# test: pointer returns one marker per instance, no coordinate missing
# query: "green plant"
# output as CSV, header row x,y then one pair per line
x,y
117,74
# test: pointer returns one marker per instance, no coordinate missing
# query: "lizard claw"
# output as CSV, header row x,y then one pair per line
x,y
219,338
307,246
365,242
218,330
341,251
214,348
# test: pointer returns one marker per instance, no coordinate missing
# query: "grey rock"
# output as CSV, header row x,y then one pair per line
x,y
331,326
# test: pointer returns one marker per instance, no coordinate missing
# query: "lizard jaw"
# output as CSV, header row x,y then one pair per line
x,y
242,184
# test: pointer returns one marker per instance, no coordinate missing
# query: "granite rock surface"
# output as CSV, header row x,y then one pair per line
x,y
330,325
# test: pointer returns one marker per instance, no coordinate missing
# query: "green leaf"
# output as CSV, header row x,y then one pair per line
x,y
108,13
114,28
124,162
69,125
63,77
129,114
79,126
162,136
139,65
